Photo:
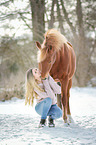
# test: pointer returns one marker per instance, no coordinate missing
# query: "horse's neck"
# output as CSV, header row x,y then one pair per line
x,y
60,65
59,56
55,66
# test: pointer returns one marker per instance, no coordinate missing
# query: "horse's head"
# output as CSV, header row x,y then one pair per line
x,y
52,43
46,58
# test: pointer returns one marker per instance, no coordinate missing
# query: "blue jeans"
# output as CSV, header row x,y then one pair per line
x,y
45,108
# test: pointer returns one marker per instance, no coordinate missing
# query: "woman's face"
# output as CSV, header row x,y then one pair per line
x,y
36,74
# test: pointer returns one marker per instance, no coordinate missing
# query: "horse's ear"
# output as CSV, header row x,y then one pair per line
x,y
38,45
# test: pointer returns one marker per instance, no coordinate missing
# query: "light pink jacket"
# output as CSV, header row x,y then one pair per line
x,y
51,88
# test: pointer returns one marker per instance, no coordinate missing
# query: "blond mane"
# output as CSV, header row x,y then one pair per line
x,y
53,38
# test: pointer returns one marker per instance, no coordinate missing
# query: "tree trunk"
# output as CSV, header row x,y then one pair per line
x,y
59,16
51,22
38,24
83,52
73,29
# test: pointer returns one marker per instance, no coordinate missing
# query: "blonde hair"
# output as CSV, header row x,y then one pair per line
x,y
30,85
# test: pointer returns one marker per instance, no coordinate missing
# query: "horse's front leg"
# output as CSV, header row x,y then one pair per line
x,y
64,87
59,100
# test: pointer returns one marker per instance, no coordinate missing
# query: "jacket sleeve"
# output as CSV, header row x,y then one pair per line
x,y
56,88
41,94
48,89
48,92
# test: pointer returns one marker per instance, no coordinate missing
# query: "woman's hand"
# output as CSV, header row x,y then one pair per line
x,y
46,77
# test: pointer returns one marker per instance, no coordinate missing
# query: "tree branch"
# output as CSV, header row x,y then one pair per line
x,y
4,17
5,3
23,18
67,19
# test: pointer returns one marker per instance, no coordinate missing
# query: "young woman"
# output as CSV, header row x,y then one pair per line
x,y
44,92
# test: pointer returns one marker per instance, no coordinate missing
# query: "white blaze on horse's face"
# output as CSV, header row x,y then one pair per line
x,y
46,65
45,68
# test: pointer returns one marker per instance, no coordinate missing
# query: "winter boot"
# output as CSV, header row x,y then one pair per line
x,y
42,123
51,122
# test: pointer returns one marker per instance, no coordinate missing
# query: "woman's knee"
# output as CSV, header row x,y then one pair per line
x,y
48,100
61,113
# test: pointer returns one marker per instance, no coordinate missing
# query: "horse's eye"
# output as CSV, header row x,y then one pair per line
x,y
50,47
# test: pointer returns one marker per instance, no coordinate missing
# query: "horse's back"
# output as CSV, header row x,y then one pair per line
x,y
72,60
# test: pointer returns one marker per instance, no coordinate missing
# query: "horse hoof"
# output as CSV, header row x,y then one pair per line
x,y
70,119
66,122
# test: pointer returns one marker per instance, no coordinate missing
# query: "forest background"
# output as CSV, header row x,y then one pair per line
x,y
23,22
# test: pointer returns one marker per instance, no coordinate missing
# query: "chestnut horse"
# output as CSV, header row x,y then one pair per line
x,y
57,57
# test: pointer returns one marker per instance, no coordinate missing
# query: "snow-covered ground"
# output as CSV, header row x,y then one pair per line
x,y
19,123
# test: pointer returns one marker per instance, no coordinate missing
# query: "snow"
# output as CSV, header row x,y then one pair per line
x,y
19,123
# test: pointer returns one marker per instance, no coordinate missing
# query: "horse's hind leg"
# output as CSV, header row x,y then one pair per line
x,y
59,99
68,96
64,87
70,120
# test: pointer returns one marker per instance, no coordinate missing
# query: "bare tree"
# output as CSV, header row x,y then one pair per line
x,y
38,23
52,19
83,51
80,42
75,19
